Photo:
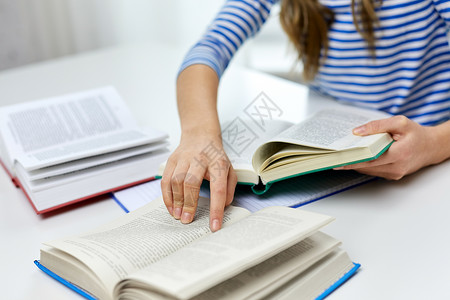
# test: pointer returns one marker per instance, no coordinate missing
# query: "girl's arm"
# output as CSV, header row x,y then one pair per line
x,y
200,153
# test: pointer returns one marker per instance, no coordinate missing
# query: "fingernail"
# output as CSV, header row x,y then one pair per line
x,y
359,130
177,212
215,225
186,218
170,209
338,168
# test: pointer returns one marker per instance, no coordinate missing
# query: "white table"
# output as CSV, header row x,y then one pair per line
x,y
397,230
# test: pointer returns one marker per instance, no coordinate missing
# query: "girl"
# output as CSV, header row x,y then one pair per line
x,y
391,55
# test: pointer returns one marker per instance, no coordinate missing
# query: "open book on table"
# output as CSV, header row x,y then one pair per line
x,y
276,252
284,150
65,149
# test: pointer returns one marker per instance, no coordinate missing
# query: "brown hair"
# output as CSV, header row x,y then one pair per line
x,y
306,22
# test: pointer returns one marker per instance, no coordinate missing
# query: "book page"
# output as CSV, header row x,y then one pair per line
x,y
226,253
313,282
274,272
241,139
328,129
92,161
331,129
45,132
138,239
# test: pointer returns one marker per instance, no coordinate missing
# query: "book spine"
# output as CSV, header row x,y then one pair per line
x,y
14,180
65,282
340,282
261,188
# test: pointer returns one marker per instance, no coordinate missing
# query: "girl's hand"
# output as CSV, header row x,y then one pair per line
x,y
198,157
415,147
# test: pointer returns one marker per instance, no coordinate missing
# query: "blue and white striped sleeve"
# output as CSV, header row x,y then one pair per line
x,y
443,8
237,21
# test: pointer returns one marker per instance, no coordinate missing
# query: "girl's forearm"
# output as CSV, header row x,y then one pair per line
x,y
197,100
441,142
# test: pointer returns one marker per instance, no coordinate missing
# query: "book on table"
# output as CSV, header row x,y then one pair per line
x,y
69,148
275,253
284,150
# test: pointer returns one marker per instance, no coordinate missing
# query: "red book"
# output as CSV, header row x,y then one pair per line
x,y
66,149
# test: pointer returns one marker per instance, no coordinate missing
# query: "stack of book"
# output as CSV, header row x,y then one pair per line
x,y
66,149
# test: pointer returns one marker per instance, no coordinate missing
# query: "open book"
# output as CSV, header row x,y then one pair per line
x,y
65,149
277,252
284,150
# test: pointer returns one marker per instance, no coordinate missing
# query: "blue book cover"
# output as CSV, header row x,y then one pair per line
x,y
70,285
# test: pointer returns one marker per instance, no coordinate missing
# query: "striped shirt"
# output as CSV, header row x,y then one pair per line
x,y
410,74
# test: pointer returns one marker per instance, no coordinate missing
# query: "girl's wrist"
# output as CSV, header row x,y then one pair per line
x,y
439,142
210,132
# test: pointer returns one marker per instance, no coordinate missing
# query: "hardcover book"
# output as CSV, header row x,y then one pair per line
x,y
69,148
275,253
285,150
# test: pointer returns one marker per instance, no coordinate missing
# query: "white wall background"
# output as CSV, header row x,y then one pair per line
x,y
36,30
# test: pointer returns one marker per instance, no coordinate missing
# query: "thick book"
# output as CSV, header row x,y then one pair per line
x,y
277,252
284,150
65,149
